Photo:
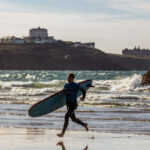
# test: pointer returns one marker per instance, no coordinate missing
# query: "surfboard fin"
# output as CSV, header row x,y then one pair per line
x,y
89,85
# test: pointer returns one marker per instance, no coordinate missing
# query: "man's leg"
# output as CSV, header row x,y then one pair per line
x,y
78,121
68,114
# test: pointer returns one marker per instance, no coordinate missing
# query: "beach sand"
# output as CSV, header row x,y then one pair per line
x,y
42,139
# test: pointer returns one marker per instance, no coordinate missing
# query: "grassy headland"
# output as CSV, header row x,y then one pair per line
x,y
64,56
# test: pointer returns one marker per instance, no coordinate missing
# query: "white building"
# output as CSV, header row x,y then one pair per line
x,y
91,45
136,52
79,44
17,41
12,40
38,33
47,40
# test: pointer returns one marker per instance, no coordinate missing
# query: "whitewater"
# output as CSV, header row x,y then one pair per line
x,y
118,103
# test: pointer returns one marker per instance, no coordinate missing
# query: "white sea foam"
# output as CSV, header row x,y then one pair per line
x,y
132,83
9,85
5,75
30,77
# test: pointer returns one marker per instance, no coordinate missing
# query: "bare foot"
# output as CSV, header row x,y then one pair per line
x,y
60,135
86,127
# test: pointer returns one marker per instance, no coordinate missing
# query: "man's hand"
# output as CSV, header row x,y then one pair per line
x,y
83,93
82,98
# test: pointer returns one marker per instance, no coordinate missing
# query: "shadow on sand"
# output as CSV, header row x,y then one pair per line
x,y
63,146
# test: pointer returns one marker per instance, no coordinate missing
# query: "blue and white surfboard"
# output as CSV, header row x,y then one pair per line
x,y
54,102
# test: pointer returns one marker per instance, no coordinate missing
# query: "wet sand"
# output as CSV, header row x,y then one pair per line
x,y
42,139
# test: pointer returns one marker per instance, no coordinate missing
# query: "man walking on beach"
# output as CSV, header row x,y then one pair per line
x,y
71,89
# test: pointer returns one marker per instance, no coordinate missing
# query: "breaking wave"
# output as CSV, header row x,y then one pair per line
x,y
132,83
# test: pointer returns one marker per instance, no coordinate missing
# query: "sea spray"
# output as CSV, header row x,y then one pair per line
x,y
126,84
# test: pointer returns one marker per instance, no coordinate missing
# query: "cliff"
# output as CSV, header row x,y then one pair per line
x,y
63,56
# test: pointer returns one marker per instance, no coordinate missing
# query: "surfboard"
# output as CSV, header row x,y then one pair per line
x,y
54,102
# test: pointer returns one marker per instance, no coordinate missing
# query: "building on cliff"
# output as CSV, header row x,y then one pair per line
x,y
12,40
136,52
92,45
39,35
79,44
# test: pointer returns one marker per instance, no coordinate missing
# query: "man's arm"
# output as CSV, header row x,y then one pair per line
x,y
83,92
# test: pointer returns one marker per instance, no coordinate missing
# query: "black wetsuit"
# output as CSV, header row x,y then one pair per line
x,y
71,90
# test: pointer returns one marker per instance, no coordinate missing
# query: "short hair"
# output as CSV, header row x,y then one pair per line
x,y
71,75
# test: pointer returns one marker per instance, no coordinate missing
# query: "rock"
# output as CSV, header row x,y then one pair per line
x,y
146,78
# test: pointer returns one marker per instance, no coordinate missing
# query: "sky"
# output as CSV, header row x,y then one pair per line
x,y
112,24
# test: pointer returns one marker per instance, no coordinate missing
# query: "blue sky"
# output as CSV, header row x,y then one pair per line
x,y
82,6
112,24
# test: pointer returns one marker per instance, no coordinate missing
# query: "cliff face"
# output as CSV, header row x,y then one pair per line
x,y
62,56
131,62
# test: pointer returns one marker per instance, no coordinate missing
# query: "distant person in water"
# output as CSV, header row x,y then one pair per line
x,y
71,89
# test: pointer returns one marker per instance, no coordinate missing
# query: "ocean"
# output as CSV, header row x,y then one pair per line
x,y
117,103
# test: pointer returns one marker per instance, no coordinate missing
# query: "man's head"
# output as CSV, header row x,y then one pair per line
x,y
71,77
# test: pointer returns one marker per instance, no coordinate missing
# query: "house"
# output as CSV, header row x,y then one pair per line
x,y
17,41
39,35
79,44
50,39
12,40
91,45
136,52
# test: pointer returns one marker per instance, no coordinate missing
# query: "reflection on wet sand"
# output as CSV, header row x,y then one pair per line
x,y
63,146
33,133
30,131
